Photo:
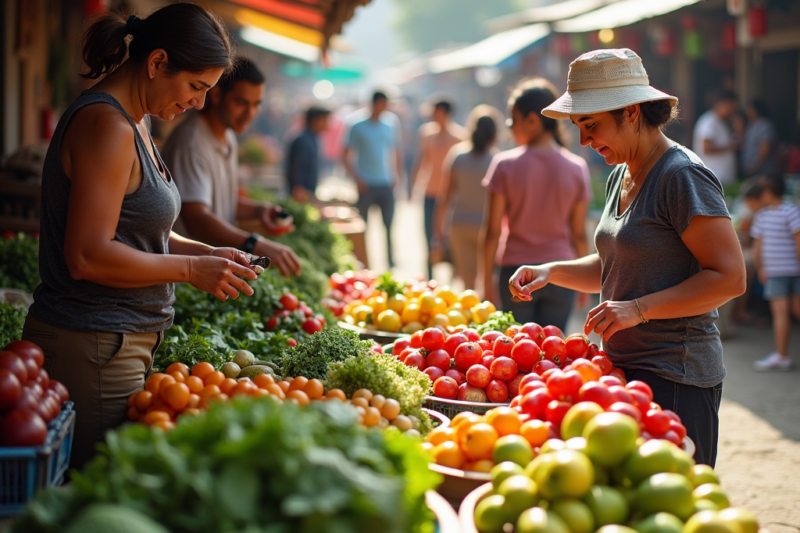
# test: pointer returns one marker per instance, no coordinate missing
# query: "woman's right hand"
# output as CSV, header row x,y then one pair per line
x,y
528,279
219,276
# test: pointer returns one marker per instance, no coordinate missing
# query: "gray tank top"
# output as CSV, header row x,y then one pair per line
x,y
145,222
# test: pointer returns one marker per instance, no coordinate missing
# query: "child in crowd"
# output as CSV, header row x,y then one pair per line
x,y
776,250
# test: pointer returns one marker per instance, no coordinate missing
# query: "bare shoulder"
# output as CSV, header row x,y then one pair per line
x,y
427,129
459,132
100,126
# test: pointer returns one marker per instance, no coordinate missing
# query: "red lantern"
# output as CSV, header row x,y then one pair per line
x,y
757,21
729,36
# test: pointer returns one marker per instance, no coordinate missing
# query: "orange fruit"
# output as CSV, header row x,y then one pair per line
x,y
195,384
214,378
178,367
201,370
448,454
479,441
259,393
372,417
154,416
143,400
164,425
427,446
194,401
505,420
460,417
482,465
165,382
262,380
314,389
243,388
284,385
275,390
337,394
177,376
133,414
208,391
152,383
535,432
227,385
298,383
360,401
176,395
463,427
440,435
299,396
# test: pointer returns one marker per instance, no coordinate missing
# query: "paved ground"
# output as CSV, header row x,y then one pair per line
x,y
759,449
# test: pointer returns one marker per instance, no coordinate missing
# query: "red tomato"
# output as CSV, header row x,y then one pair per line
x,y
610,381
10,390
22,428
291,342
549,373
485,345
47,408
376,348
626,409
487,359
513,385
639,400
554,349
432,339
400,345
502,346
534,331
271,323
445,387
565,386
604,363
283,313
478,376
434,373
513,330
454,341
597,393
15,364
678,428
31,367
312,326
531,386
534,403
577,346
588,370
416,360
673,415
472,335
43,379
620,394
440,359
289,301
60,389
555,411
491,336
36,388
504,368
542,366
656,422
416,340
467,354
497,391
27,350
28,400
553,331
673,437
525,353
619,374
456,375
641,386
594,351
521,336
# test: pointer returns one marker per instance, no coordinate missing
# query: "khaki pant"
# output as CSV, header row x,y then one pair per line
x,y
100,370
464,251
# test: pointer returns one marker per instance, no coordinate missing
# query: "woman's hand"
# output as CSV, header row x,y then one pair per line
x,y
610,317
281,255
268,221
528,279
221,273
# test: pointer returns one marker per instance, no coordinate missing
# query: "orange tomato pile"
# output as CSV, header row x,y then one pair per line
x,y
178,391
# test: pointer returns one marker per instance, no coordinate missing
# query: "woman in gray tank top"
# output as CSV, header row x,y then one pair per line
x,y
108,256
667,253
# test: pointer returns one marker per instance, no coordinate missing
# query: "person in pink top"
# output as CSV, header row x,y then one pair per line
x,y
538,195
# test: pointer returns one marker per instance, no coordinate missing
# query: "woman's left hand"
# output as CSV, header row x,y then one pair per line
x,y
232,254
610,317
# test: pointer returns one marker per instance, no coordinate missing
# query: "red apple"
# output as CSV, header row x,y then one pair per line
x,y
416,339
491,336
554,349
400,345
540,367
467,354
525,353
416,360
620,394
456,375
504,368
555,411
531,386
553,331
432,339
445,387
641,386
439,358
453,342
565,386
626,409
502,346
471,334
639,400
478,376
619,374
514,384
577,346
535,332
522,336
497,391
434,372
610,381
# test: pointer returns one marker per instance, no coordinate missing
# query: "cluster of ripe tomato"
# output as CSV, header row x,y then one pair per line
x,y
295,312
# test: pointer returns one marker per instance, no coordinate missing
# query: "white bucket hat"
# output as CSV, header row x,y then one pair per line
x,y
604,80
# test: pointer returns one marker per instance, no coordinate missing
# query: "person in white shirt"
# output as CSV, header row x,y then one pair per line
x,y
713,140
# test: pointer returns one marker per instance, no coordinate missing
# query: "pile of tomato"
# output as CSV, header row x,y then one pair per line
x,y
295,311
29,399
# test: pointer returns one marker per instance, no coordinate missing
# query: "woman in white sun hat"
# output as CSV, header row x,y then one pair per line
x,y
667,253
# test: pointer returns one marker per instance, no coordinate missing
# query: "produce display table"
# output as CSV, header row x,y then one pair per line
x,y
381,337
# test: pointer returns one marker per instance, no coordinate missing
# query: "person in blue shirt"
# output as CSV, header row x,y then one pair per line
x,y
373,158
302,160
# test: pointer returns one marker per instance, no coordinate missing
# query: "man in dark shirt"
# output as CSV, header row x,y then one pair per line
x,y
302,159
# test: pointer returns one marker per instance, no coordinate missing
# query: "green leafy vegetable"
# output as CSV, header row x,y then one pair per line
x,y
499,321
253,465
19,262
386,375
12,318
389,285
312,357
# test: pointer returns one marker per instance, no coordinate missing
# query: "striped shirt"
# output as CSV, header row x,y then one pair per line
x,y
776,228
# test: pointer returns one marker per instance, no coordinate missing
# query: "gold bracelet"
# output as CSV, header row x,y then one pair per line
x,y
641,315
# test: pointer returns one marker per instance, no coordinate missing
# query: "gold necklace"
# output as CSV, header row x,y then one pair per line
x,y
632,182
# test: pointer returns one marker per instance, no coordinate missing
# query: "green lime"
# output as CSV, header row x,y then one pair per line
x,y
537,520
552,445
610,438
744,518
569,475
489,514
577,417
608,505
668,492
713,492
652,457
575,513
702,474
514,448
519,493
710,522
503,471
660,523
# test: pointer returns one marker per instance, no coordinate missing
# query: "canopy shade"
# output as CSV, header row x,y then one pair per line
x,y
551,13
621,13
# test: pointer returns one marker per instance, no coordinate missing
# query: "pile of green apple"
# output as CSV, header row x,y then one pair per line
x,y
609,480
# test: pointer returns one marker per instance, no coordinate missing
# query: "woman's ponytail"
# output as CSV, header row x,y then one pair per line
x,y
533,95
104,46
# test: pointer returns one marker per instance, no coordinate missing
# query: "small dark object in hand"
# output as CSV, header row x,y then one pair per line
x,y
280,214
262,262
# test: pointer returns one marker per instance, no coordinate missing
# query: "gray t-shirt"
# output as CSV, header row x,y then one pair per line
x,y
641,252
758,131
467,171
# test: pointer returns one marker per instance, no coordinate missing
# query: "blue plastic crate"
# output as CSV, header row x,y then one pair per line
x,y
23,471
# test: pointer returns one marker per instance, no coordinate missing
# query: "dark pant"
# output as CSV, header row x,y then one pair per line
x,y
429,215
383,197
697,407
549,306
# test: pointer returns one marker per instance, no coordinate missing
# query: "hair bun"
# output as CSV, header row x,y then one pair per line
x,y
130,26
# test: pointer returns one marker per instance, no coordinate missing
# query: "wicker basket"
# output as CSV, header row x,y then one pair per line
x,y
446,517
451,408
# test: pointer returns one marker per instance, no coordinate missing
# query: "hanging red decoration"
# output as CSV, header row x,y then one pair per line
x,y
665,45
729,36
757,21
562,46
688,22
94,7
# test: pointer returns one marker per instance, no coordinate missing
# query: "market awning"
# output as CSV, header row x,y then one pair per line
x,y
620,13
280,44
560,11
490,51
307,21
